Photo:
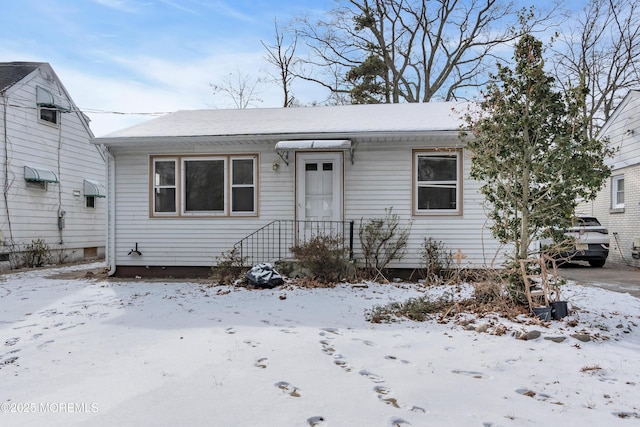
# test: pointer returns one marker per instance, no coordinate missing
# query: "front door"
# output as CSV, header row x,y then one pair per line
x,y
318,190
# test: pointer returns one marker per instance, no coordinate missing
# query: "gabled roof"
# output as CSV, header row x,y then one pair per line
x,y
12,72
303,121
630,98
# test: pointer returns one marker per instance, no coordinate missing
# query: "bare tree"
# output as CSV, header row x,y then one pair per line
x,y
240,88
283,58
600,50
408,50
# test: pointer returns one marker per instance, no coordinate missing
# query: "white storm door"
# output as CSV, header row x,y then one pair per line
x,y
319,186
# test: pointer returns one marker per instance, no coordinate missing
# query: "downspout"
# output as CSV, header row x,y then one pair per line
x,y
61,212
5,187
110,238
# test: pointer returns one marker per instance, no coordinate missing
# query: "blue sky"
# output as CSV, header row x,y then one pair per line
x,y
146,56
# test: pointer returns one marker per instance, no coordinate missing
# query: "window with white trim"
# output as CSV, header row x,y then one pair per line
x,y
617,192
205,186
437,182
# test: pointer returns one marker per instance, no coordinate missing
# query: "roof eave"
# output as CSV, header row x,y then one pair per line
x,y
125,141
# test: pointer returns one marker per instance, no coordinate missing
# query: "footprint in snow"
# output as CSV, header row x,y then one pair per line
x,y
394,358
538,396
373,377
334,331
398,422
50,312
365,342
391,401
473,374
316,421
327,348
342,363
288,388
11,341
26,326
380,389
45,344
253,344
261,363
230,331
72,326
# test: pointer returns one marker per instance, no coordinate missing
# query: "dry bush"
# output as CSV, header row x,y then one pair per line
x,y
324,256
229,268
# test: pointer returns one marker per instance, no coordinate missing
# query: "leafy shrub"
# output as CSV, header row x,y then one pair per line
x,y
230,266
36,254
324,256
383,240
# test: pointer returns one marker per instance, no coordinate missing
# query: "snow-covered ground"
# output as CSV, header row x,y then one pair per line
x,y
78,350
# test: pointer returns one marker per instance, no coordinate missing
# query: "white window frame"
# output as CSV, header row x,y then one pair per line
x,y
617,195
457,183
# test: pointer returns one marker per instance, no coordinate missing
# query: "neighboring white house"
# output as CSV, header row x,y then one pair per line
x,y
617,206
185,187
53,178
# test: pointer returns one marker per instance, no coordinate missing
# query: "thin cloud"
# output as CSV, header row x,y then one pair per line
x,y
121,5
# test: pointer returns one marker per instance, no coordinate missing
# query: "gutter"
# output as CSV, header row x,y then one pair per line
x,y
172,140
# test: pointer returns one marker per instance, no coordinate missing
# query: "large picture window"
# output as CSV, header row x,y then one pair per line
x,y
204,186
437,182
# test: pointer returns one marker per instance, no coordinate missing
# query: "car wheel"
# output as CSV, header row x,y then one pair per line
x,y
598,263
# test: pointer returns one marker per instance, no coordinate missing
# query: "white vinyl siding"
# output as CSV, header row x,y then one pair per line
x,y
380,177
64,149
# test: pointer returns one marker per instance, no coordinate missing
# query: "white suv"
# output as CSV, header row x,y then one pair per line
x,y
590,242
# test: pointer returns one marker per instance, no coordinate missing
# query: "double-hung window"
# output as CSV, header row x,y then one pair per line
x,y
437,182
219,185
617,192
165,186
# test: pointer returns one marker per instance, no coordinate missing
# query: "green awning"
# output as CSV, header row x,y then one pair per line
x,y
33,174
47,99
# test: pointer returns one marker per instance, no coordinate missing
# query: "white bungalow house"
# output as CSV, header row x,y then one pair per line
x,y
617,205
53,178
185,187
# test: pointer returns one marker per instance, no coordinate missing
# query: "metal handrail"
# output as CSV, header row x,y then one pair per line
x,y
272,242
